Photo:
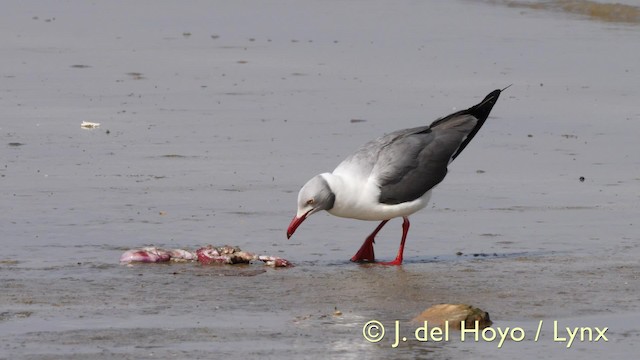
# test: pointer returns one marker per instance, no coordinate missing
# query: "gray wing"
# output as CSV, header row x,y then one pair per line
x,y
415,160
408,163
362,162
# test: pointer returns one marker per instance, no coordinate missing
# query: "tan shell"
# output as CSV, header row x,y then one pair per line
x,y
454,314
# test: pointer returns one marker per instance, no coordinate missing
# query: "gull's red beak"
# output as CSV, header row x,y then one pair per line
x,y
295,223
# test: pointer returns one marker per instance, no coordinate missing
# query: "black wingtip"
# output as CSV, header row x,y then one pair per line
x,y
481,111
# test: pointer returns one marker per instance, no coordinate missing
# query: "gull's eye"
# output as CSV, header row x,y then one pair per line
x,y
310,201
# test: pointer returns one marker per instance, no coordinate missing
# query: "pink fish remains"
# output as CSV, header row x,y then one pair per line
x,y
206,255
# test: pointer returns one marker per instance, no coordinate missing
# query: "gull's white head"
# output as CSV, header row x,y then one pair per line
x,y
314,196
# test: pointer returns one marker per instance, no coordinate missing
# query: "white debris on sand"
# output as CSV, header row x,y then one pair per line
x,y
89,125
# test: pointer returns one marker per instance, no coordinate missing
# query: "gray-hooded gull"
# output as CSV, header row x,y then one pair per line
x,y
392,176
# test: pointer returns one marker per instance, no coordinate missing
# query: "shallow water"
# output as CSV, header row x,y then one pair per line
x,y
214,114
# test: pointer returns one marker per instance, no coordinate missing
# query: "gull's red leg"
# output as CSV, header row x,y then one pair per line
x,y
365,254
405,230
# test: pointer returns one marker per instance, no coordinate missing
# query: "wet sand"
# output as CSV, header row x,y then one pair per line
x,y
213,115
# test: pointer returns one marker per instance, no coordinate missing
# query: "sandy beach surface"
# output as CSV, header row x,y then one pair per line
x,y
213,114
